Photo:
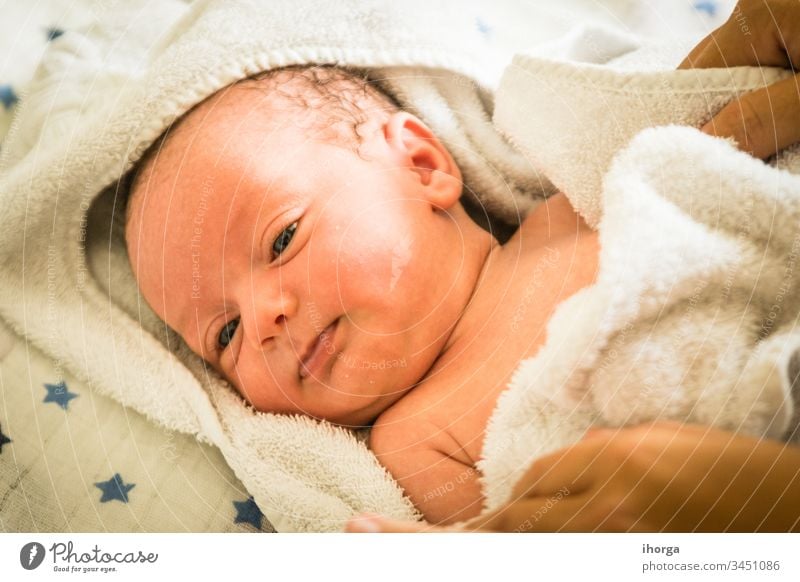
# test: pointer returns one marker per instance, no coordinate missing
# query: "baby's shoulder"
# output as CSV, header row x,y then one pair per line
x,y
410,426
421,456
401,427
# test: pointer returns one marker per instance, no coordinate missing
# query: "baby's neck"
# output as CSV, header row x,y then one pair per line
x,y
553,220
518,287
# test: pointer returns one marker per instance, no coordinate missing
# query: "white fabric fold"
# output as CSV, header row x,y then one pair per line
x,y
693,314
102,96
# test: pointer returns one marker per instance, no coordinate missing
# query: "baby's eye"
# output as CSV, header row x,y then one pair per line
x,y
227,333
283,240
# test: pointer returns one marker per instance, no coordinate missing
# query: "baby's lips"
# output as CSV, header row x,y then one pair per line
x,y
318,352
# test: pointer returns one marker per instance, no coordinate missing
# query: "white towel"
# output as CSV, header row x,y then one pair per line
x,y
693,315
101,96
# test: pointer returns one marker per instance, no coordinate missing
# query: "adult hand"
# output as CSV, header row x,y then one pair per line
x,y
758,33
655,477
373,523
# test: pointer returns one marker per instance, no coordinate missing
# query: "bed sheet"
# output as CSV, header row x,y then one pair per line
x,y
74,460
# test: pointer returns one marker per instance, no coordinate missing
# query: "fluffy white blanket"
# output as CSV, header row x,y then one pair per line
x,y
103,94
694,312
100,99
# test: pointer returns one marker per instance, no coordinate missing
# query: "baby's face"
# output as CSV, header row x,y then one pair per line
x,y
316,280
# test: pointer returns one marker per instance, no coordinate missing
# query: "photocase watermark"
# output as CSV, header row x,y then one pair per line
x,y
316,323
783,289
741,20
31,555
80,275
206,190
169,449
386,364
451,485
547,262
551,502
743,234
620,340
350,361
52,310
67,559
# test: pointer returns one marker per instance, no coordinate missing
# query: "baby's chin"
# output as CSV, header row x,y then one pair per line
x,y
357,416
364,417
356,419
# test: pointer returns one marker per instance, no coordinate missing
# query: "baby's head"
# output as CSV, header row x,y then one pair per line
x,y
305,237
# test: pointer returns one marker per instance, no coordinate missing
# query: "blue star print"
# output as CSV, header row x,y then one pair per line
x,y
53,33
248,512
59,393
482,27
709,8
3,440
7,96
114,488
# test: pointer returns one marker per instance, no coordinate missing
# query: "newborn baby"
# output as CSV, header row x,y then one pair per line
x,y
305,237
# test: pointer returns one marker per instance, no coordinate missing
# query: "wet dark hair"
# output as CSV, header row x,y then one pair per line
x,y
328,100
338,94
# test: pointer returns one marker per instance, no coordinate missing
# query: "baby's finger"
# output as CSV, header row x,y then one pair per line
x,y
762,122
371,523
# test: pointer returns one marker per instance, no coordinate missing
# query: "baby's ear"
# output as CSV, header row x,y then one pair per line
x,y
417,149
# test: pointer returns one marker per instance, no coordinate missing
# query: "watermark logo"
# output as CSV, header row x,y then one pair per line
x,y
31,555
66,557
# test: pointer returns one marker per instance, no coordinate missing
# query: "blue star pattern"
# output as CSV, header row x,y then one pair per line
x,y
59,393
114,488
7,96
248,512
708,7
3,439
53,33
483,27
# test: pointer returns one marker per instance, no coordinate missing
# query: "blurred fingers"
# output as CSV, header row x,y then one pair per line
x,y
585,512
755,34
372,523
762,122
702,58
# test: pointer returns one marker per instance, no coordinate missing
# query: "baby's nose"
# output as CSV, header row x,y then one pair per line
x,y
268,315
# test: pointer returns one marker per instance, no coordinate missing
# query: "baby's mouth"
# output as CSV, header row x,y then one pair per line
x,y
319,352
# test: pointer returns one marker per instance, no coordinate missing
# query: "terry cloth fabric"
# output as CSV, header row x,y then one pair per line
x,y
100,99
694,312
102,96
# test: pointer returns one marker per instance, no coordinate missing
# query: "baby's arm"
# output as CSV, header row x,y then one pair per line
x,y
424,460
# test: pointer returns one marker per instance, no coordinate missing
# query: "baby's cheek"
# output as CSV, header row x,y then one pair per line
x,y
255,379
374,269
239,380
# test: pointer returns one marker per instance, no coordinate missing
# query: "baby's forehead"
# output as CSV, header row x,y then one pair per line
x,y
228,122
218,125
229,126
327,103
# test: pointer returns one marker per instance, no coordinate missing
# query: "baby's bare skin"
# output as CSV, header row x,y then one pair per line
x,y
432,438
251,238
379,247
